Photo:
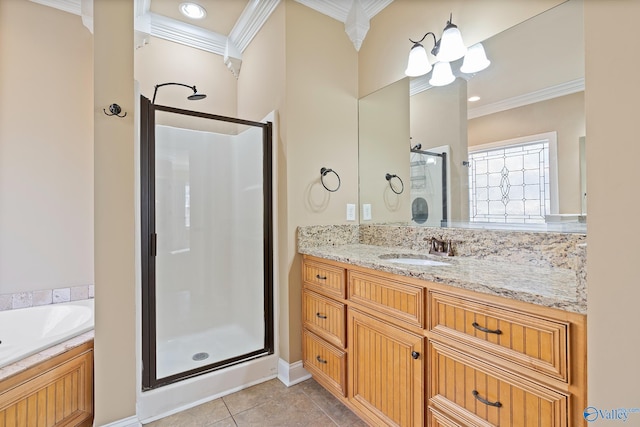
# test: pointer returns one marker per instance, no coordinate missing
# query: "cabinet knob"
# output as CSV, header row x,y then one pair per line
x,y
415,354
319,277
321,360
321,316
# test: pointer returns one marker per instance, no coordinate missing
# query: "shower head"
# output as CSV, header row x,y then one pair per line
x,y
194,97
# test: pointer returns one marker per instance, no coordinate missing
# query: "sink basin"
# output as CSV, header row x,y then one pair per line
x,y
417,261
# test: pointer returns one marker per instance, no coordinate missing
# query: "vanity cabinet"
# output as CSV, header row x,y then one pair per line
x,y
401,351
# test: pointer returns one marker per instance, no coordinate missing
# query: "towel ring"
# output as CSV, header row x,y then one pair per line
x,y
389,177
323,173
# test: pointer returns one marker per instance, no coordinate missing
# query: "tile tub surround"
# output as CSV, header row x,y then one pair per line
x,y
44,297
548,269
49,353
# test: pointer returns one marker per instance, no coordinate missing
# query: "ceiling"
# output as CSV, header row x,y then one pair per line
x,y
230,25
222,15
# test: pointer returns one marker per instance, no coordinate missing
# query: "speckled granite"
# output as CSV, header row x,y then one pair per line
x,y
49,353
543,249
323,235
548,269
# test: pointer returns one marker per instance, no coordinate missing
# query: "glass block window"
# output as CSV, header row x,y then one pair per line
x,y
510,184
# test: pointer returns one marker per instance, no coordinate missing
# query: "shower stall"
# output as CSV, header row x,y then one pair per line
x,y
429,190
206,242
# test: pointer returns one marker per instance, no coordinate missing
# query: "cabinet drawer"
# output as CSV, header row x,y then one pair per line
x,y
532,342
475,393
327,364
398,299
437,419
325,317
324,278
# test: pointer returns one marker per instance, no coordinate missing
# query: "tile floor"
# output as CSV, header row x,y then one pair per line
x,y
268,404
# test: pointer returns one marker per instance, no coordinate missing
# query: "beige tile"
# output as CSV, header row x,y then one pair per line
x,y
331,406
200,416
42,297
5,302
256,395
209,412
77,293
61,295
269,404
291,409
227,422
22,300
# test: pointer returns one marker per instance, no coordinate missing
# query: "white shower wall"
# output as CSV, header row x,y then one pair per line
x,y
210,234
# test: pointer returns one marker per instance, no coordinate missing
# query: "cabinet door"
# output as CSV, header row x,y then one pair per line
x,y
386,371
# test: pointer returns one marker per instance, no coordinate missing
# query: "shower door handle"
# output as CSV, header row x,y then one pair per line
x,y
153,240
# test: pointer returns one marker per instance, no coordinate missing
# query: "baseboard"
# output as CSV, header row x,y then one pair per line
x,y
292,374
126,422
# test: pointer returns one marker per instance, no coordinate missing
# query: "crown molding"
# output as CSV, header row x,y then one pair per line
x,y
357,24
355,14
545,94
418,85
251,20
187,34
71,6
339,9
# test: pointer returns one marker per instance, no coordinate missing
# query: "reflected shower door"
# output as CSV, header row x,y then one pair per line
x,y
209,286
428,188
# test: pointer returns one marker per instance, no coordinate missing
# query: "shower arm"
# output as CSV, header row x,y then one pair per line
x,y
153,101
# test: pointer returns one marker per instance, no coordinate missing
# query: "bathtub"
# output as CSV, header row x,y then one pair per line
x,y
27,331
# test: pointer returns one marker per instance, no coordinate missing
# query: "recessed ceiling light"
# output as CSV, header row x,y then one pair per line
x,y
192,10
474,98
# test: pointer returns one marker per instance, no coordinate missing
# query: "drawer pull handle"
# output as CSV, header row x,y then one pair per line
x,y
319,277
321,316
486,402
415,354
321,360
483,329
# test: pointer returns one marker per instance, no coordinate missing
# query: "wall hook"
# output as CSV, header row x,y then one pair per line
x,y
389,177
115,110
323,173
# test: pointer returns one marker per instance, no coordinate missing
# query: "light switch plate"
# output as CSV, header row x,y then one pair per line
x,y
351,212
366,212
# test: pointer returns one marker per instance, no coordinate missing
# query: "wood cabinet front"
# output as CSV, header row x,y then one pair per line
x,y
324,278
400,351
386,371
327,363
476,393
534,342
325,317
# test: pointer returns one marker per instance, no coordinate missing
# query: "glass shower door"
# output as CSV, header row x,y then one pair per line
x,y
209,292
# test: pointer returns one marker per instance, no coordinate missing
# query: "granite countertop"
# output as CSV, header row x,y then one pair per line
x,y
546,286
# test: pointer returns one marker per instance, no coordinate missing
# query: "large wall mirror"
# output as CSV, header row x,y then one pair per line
x,y
511,159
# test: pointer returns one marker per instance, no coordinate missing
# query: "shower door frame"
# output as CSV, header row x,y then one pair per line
x,y
148,244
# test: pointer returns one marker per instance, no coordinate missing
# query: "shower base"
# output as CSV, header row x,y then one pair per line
x,y
192,351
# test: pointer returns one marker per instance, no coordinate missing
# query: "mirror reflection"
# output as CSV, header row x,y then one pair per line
x,y
501,148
